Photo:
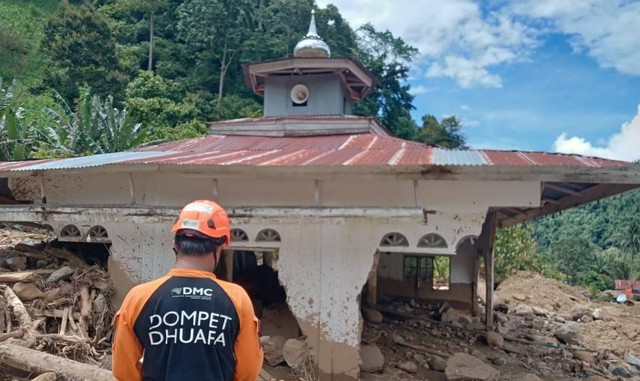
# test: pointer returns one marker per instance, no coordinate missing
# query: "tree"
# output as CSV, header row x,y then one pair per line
x,y
388,58
578,258
82,52
515,249
13,139
445,133
629,237
95,126
216,28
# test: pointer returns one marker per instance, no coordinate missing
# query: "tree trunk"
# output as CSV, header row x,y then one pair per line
x,y
260,6
152,12
37,362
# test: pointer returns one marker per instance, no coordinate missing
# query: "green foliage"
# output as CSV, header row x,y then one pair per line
x,y
82,52
445,133
94,126
13,134
388,58
21,30
602,223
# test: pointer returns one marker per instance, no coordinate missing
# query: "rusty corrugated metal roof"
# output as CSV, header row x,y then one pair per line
x,y
333,150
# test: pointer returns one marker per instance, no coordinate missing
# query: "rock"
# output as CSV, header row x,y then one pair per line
x,y
273,347
538,323
16,263
51,295
499,361
295,353
540,311
541,339
408,366
519,297
620,371
437,363
62,273
451,315
587,357
559,319
99,304
569,333
372,315
586,319
579,311
420,359
529,377
500,307
600,314
494,339
523,310
464,367
595,378
42,263
633,360
371,358
27,291
477,354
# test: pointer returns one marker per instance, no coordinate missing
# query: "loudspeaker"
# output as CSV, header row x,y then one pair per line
x,y
299,94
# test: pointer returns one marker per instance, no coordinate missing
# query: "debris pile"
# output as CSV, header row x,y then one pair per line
x,y
52,301
543,330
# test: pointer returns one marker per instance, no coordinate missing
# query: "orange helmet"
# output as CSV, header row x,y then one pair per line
x,y
205,217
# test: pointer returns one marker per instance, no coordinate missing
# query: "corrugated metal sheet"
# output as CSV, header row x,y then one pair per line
x,y
457,157
89,161
332,150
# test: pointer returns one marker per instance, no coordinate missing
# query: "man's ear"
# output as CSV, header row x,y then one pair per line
x,y
175,249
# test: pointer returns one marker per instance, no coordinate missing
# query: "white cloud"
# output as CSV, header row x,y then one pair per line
x,y
624,145
459,40
606,29
420,89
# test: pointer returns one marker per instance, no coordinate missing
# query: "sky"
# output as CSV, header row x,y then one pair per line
x,y
541,75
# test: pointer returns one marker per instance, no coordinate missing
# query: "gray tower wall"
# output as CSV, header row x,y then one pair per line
x,y
326,96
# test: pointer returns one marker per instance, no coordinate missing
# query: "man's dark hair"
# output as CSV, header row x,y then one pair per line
x,y
197,244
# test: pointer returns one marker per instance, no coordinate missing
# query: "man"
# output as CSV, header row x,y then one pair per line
x,y
188,325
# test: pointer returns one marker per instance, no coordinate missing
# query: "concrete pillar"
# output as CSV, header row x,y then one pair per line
x,y
324,268
267,258
490,225
372,281
474,285
228,262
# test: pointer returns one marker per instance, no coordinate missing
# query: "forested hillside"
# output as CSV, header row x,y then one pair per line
x,y
162,68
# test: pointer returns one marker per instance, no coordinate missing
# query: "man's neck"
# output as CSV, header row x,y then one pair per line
x,y
199,263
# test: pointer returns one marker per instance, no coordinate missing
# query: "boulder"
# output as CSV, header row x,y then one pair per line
x,y
538,323
408,366
579,311
600,314
523,310
569,333
27,291
273,347
371,358
295,353
16,263
494,339
559,319
539,311
437,363
62,273
586,319
464,367
587,357
372,315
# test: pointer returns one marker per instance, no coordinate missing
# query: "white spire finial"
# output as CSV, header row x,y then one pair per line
x,y
312,44
313,31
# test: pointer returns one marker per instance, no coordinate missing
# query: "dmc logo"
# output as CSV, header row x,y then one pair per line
x,y
197,291
176,291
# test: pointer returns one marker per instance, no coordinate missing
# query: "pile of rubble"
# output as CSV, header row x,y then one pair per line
x,y
535,337
54,307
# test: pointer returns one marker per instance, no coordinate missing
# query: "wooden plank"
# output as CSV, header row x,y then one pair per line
x,y
561,189
23,276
